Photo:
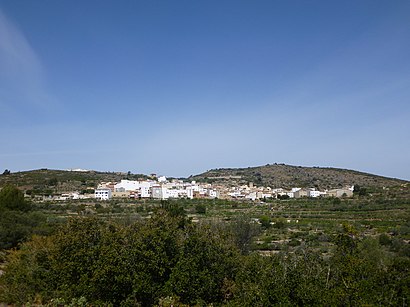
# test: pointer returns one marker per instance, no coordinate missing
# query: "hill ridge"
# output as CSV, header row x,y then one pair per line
x,y
277,175
284,175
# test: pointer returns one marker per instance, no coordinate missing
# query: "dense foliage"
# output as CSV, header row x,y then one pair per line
x,y
12,198
17,219
168,260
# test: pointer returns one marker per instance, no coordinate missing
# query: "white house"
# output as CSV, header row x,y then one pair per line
x,y
290,194
314,193
159,192
190,192
267,195
162,179
103,194
213,193
145,188
127,185
251,196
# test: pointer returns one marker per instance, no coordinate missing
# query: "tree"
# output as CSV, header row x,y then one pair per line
x,y
173,208
168,260
15,227
243,232
28,273
17,221
206,264
89,258
53,182
200,209
12,198
361,191
261,281
265,221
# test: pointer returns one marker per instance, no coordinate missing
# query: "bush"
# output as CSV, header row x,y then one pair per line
x,y
11,198
200,209
384,239
107,263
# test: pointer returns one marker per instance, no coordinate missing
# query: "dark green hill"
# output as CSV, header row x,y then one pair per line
x,y
286,176
47,180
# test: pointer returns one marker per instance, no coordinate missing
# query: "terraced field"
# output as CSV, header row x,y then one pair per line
x,y
278,224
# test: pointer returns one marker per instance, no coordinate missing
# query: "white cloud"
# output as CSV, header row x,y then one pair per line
x,y
22,77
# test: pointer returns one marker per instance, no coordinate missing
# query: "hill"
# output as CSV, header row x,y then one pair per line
x,y
287,176
46,180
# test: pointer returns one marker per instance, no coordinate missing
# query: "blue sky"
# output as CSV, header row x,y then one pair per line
x,y
180,87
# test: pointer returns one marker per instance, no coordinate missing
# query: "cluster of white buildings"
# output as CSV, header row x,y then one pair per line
x,y
253,193
157,189
165,189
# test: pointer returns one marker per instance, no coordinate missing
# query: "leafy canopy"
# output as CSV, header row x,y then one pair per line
x,y
11,198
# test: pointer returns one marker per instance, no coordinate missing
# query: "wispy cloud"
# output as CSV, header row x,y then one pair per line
x,y
22,76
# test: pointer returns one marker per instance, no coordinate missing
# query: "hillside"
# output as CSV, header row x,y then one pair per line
x,y
286,176
46,180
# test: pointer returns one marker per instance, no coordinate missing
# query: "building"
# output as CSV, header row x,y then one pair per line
x,y
213,194
340,193
145,188
107,185
126,185
121,194
301,193
159,192
103,194
315,193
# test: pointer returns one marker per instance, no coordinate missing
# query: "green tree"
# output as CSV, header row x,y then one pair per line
x,y
265,221
28,276
261,281
11,198
17,222
16,227
168,260
154,250
360,270
361,191
90,257
243,232
53,182
207,262
200,209
173,208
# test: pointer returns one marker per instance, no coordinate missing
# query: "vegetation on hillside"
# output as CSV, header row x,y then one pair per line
x,y
18,220
287,176
124,252
168,260
47,182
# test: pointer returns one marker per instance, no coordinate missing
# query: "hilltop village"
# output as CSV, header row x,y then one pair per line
x,y
162,188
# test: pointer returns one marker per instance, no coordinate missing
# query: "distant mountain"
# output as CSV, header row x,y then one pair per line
x,y
286,176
